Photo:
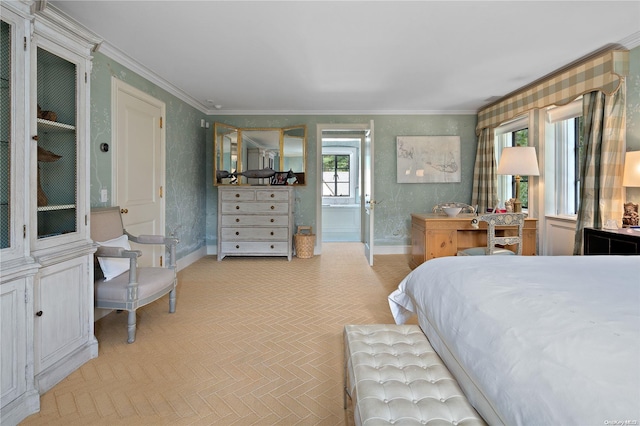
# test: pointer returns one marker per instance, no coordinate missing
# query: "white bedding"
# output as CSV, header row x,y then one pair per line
x,y
534,340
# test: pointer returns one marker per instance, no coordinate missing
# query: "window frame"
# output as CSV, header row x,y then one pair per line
x,y
335,182
563,136
503,138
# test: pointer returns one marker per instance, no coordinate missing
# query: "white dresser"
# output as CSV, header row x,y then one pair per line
x,y
255,221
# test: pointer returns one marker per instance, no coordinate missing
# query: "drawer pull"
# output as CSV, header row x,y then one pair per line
x,y
237,195
237,220
237,246
39,313
273,220
271,232
273,207
273,195
237,207
272,246
237,233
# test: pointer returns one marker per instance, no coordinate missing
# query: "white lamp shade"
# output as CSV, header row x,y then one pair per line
x,y
631,176
519,160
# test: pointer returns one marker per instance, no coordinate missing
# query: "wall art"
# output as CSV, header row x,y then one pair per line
x,y
428,159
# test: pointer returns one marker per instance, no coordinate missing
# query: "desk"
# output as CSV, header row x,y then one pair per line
x,y
437,235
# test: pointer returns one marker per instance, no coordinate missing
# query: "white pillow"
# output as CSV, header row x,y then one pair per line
x,y
112,266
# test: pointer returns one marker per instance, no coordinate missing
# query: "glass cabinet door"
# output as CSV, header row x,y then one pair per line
x,y
56,145
5,135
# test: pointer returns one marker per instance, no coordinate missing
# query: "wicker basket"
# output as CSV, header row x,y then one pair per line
x,y
304,242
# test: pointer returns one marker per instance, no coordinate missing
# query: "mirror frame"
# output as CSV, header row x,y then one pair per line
x,y
222,130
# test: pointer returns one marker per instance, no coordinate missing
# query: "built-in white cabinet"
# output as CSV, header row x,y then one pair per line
x,y
60,241
46,254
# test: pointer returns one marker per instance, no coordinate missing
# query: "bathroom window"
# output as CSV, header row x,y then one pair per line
x,y
336,175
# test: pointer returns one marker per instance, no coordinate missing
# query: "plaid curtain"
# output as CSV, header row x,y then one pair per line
x,y
485,182
601,173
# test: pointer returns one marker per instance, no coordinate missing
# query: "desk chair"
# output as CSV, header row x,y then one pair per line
x,y
466,208
493,220
124,285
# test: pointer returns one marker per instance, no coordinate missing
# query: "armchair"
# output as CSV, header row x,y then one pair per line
x,y
125,286
495,243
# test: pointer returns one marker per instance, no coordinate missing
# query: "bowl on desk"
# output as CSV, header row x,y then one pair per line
x,y
451,211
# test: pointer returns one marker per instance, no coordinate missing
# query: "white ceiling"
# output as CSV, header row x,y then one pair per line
x,y
350,57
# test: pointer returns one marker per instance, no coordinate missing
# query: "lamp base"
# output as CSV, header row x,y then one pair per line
x,y
517,206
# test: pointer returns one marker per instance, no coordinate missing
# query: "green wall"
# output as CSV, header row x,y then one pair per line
x,y
185,189
191,198
395,201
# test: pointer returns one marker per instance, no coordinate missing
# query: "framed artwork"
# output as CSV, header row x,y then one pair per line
x,y
428,159
280,178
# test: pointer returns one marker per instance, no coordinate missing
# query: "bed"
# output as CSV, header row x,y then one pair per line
x,y
534,340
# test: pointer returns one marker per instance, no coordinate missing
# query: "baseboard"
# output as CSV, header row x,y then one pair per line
x,y
382,250
192,257
377,250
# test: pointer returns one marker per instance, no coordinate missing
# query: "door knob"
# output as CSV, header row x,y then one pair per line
x,y
124,211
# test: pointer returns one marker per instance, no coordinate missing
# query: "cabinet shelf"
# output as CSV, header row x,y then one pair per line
x,y
56,207
54,126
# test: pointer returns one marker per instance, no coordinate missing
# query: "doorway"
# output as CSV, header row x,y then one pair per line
x,y
341,188
342,215
138,147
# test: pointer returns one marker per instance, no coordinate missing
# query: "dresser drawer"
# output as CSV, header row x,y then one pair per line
x,y
255,208
271,195
249,248
255,234
241,195
254,220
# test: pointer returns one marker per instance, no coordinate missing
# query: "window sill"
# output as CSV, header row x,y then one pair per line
x,y
563,217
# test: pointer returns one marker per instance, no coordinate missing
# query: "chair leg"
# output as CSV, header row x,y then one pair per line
x,y
131,327
172,301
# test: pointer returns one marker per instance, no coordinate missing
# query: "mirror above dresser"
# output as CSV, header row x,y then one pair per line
x,y
241,153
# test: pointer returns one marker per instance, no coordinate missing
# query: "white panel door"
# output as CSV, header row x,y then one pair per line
x,y
139,146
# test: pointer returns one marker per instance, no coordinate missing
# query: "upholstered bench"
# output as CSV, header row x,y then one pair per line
x,y
393,376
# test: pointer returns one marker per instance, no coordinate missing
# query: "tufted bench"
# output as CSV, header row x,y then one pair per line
x,y
393,376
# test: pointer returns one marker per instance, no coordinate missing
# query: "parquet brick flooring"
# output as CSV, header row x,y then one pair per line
x,y
254,341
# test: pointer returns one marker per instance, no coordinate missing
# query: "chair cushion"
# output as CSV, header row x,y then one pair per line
x,y
112,266
151,281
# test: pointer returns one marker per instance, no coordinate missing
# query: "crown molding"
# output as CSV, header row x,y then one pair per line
x,y
632,41
125,60
220,112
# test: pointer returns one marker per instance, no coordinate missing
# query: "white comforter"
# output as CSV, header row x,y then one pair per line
x,y
534,340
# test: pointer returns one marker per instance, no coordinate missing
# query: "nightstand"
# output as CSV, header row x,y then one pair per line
x,y
625,241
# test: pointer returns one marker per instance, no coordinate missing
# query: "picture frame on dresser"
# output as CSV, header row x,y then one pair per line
x,y
280,178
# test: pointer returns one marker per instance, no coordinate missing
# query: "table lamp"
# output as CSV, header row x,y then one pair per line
x,y
517,161
631,178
